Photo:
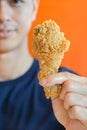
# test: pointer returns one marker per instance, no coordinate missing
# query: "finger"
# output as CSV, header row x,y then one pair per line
x,y
60,77
73,86
52,79
80,113
73,99
75,124
59,111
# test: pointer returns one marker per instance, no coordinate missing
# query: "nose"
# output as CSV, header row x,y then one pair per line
x,y
4,12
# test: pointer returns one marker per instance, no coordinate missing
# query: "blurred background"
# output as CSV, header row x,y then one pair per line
x,y
71,16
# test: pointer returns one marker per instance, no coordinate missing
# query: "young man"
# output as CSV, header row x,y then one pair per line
x,y
23,105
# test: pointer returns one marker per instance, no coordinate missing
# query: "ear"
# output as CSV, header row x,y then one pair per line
x,y
36,4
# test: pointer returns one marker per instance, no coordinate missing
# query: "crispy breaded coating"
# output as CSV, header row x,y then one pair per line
x,y
49,45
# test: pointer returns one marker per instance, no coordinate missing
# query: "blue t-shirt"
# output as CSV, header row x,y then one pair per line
x,y
23,105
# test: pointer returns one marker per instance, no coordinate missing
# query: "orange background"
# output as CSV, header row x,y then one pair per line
x,y
71,15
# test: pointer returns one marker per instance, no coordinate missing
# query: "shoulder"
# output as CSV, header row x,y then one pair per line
x,y
65,69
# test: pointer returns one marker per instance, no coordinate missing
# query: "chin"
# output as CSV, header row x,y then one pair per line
x,y
7,47
5,50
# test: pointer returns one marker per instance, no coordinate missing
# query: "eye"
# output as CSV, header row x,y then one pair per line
x,y
17,1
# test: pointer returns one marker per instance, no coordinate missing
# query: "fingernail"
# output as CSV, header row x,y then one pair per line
x,y
42,82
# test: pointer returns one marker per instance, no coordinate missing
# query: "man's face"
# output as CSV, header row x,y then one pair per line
x,y
16,17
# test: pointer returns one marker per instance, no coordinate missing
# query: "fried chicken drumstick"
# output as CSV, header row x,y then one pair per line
x,y
49,46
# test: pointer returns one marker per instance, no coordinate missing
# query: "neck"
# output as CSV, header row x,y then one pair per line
x,y
15,63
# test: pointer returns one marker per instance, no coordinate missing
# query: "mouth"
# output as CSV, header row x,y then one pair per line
x,y
4,34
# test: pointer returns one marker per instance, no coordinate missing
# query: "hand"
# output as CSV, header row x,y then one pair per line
x,y
70,108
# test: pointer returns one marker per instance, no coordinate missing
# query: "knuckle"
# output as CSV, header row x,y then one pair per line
x,y
75,110
65,73
68,98
68,85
